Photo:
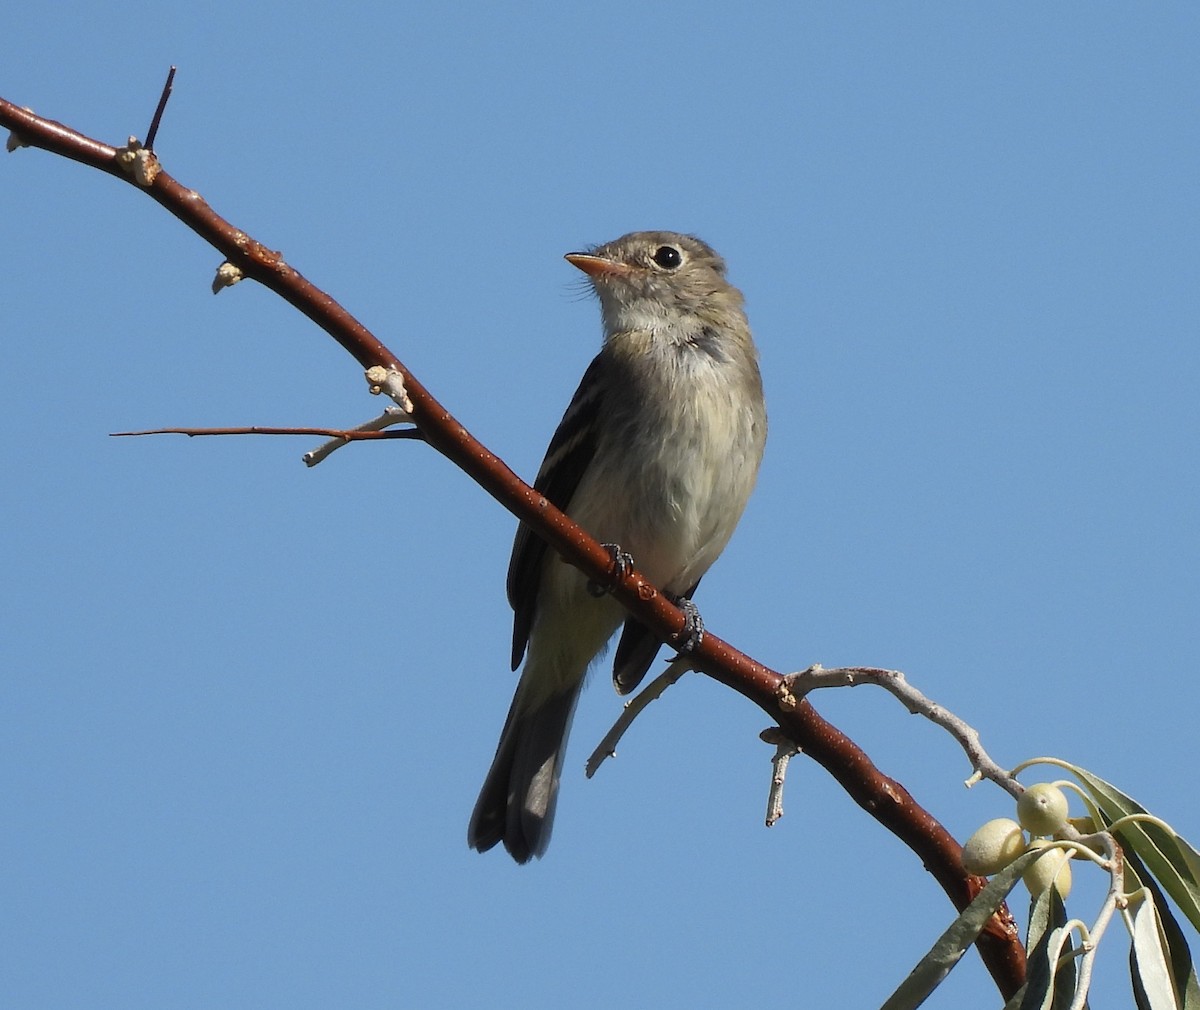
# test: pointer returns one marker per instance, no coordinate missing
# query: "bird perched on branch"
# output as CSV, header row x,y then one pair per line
x,y
656,456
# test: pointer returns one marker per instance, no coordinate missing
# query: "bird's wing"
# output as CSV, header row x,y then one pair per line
x,y
567,458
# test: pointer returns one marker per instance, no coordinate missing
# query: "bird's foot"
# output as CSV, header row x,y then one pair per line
x,y
622,562
692,632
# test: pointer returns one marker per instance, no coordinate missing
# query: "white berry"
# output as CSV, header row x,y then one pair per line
x,y
993,847
1054,866
1042,809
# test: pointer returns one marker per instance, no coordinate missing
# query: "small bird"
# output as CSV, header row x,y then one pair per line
x,y
656,456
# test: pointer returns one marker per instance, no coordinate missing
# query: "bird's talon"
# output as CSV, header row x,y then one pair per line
x,y
692,633
622,564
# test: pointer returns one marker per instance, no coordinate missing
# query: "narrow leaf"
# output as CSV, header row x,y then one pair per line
x,y
1039,976
1190,858
1151,975
1046,914
1049,985
953,943
1183,972
1168,857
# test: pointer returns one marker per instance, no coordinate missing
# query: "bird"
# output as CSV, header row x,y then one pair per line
x,y
656,457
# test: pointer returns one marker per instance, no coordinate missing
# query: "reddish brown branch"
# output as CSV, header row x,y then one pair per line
x,y
258,429
885,799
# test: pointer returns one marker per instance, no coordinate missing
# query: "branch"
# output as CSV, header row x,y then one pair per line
x,y
885,799
341,434
785,750
152,133
633,708
893,681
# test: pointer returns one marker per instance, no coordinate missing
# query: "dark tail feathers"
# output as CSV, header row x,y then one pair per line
x,y
516,804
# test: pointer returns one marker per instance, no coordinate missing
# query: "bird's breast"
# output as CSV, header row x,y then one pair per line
x,y
680,458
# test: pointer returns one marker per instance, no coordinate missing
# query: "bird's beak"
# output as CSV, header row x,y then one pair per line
x,y
596,266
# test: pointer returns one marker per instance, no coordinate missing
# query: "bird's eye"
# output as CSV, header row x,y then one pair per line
x,y
668,257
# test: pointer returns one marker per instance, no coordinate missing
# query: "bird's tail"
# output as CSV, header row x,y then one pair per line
x,y
516,804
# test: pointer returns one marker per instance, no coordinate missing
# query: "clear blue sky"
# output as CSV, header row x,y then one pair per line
x,y
245,707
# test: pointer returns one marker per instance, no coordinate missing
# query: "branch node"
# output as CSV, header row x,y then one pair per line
x,y
789,694
15,140
391,415
391,382
138,161
227,276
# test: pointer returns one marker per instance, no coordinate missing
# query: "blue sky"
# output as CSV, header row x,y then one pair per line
x,y
246,707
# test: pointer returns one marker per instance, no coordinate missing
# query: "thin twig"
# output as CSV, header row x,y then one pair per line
x,y
633,708
1112,900
158,112
785,750
893,681
348,435
390,416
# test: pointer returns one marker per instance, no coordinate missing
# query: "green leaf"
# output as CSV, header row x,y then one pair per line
x,y
1049,980
1183,972
955,941
1046,911
1047,914
1190,857
1153,987
1043,919
1173,862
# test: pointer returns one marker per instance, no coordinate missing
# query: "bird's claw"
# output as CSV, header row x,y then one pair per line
x,y
692,633
622,564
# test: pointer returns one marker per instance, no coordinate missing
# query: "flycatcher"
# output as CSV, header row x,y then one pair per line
x,y
657,453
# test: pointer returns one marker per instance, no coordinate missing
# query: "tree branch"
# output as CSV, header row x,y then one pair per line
x,y
885,799
893,681
152,133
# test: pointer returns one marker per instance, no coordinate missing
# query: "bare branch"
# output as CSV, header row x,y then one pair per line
x,y
785,750
158,112
797,685
344,435
633,708
370,429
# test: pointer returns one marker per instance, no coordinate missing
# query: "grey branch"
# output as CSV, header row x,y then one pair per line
x,y
797,685
390,416
785,750
633,708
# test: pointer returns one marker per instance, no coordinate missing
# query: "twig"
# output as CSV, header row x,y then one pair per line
x,y
796,685
785,750
371,429
389,381
347,435
633,708
1112,900
158,112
